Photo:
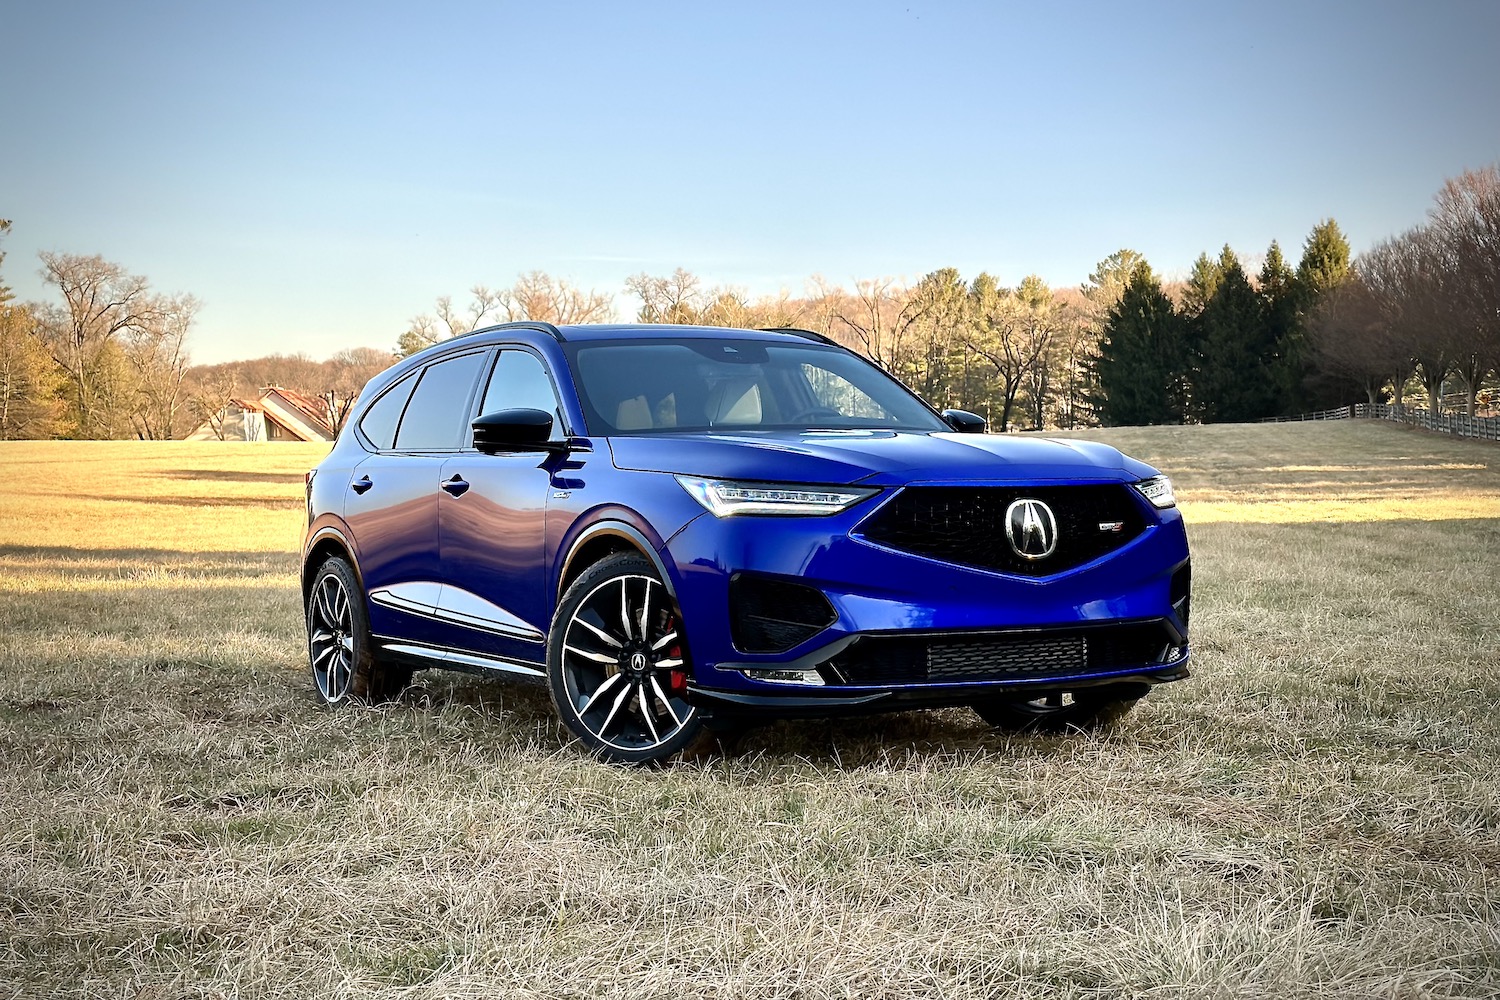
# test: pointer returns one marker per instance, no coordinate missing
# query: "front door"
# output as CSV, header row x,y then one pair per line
x,y
493,525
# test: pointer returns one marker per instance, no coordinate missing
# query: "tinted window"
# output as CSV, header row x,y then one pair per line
x,y
643,386
520,380
434,420
379,421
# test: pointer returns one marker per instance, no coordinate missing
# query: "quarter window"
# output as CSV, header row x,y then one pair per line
x,y
434,419
379,422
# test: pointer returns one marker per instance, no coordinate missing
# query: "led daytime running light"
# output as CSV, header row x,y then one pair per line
x,y
725,498
1157,490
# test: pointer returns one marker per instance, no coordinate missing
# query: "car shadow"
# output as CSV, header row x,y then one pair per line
x,y
910,739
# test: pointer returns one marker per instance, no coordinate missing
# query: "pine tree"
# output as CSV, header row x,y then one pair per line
x,y
1141,356
1323,268
1234,378
1325,262
1278,298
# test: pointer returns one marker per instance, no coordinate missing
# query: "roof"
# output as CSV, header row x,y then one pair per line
x,y
310,408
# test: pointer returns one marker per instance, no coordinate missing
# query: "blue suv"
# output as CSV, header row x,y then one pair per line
x,y
679,529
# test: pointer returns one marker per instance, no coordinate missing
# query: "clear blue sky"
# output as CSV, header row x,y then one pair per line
x,y
318,173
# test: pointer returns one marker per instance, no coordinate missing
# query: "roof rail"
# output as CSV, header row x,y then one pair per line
x,y
522,324
799,332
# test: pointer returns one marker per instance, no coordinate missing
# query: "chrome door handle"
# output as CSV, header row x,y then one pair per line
x,y
361,484
456,486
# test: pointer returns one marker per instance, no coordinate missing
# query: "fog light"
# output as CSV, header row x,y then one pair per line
x,y
781,676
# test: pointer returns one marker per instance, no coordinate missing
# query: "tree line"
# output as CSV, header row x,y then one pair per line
x,y
1414,316
1421,309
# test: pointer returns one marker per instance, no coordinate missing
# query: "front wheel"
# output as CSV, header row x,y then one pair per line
x,y
1086,709
617,665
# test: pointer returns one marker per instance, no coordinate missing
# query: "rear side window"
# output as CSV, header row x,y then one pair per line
x,y
434,419
379,422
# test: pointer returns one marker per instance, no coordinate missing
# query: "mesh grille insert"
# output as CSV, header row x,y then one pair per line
x,y
966,525
772,616
1000,656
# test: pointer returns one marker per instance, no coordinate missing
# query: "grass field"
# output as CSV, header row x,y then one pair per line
x,y
1315,814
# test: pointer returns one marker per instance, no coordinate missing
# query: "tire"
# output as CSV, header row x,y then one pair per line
x,y
1084,710
617,666
340,653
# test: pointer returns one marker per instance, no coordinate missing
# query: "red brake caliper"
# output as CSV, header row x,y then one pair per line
x,y
677,679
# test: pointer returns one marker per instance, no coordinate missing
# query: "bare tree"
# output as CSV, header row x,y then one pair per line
x,y
1350,336
1462,240
1012,331
101,301
880,316
213,389
535,295
157,352
674,298
345,375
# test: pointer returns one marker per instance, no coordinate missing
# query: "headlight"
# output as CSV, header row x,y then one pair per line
x,y
724,497
1158,490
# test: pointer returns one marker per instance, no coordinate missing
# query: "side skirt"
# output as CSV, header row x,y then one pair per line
x,y
422,656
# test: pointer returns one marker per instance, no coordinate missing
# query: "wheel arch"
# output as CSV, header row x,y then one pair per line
x,y
603,539
325,543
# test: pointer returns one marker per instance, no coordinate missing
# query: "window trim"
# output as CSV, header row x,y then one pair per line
x,y
420,371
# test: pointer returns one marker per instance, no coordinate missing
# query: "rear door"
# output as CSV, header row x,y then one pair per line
x,y
392,505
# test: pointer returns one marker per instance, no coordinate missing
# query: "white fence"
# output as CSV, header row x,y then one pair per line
x,y
1458,424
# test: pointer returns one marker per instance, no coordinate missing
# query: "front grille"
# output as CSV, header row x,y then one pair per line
x,y
772,616
998,656
966,525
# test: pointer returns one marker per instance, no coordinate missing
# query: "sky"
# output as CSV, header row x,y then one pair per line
x,y
318,173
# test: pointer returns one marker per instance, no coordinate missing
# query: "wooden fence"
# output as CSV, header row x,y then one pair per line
x,y
1457,424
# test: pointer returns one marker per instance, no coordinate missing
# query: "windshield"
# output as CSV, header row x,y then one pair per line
x,y
647,386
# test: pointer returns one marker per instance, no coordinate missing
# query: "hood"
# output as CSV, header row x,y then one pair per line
x,y
875,458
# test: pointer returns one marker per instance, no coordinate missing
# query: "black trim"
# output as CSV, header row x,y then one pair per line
x,y
615,529
813,703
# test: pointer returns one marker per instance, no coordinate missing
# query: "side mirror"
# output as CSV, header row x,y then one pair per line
x,y
514,430
965,422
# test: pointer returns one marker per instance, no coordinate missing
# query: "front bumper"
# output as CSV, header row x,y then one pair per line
x,y
921,626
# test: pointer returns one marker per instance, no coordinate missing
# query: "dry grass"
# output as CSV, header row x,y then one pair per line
x,y
1315,814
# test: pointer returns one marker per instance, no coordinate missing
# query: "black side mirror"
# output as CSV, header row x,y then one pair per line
x,y
514,430
965,422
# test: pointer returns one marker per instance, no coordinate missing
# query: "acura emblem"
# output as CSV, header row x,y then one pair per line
x,y
1031,529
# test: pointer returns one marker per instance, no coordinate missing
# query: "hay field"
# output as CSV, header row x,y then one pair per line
x,y
1315,814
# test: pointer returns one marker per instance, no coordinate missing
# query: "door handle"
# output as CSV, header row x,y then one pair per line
x,y
361,484
456,486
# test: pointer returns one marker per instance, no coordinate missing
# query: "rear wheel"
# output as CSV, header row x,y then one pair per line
x,y
340,653
617,665
1086,709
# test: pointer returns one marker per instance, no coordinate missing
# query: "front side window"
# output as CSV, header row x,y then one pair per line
x,y
434,419
520,381
695,385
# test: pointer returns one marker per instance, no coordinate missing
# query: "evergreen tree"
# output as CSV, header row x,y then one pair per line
x,y
1234,378
1278,298
1324,264
1141,356
1323,268
1203,282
